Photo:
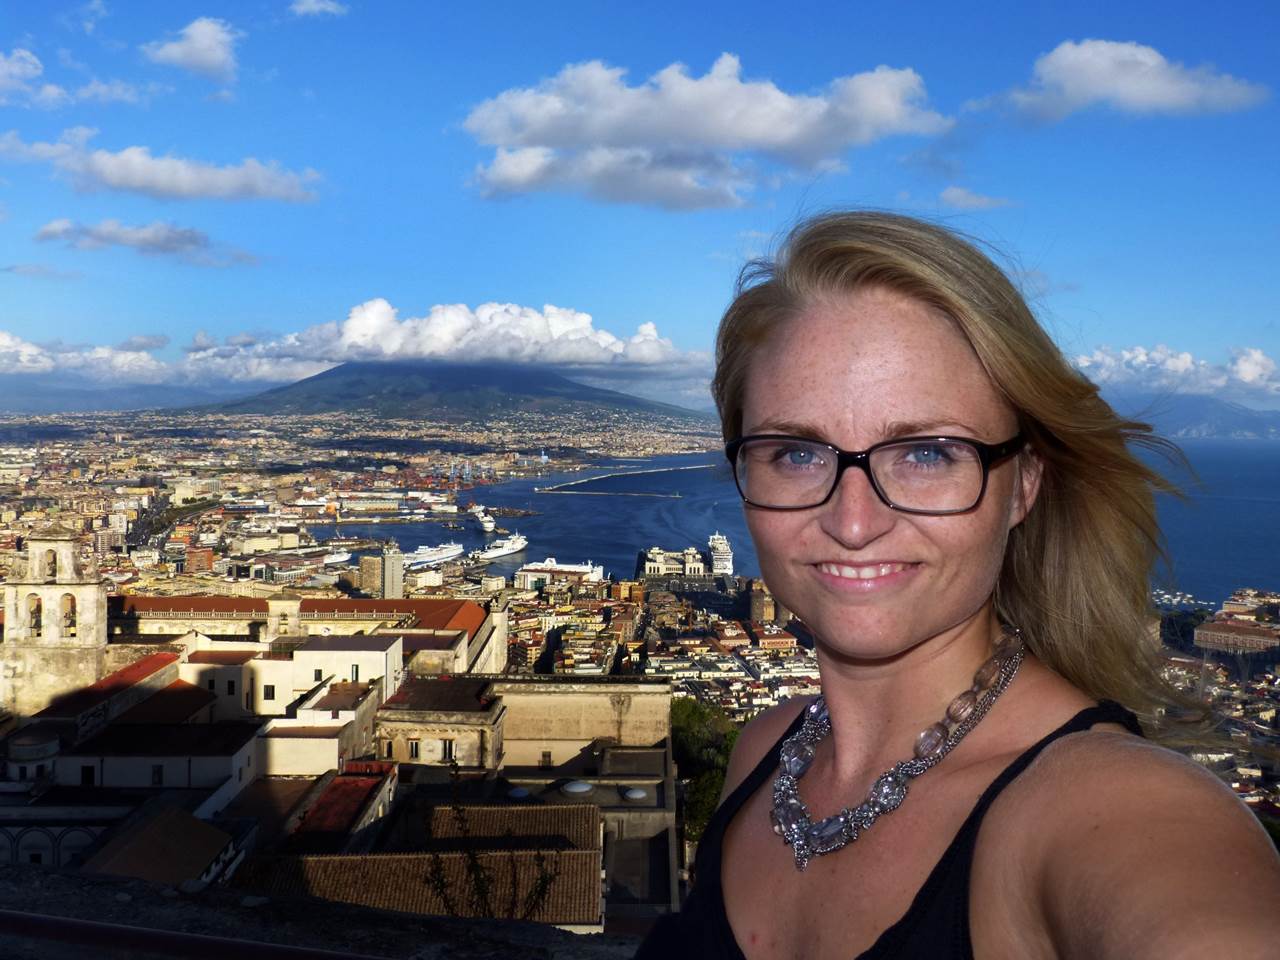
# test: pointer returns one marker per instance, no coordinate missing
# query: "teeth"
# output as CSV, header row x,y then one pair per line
x,y
866,572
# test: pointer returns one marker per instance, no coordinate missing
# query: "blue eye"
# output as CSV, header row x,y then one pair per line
x,y
799,457
928,454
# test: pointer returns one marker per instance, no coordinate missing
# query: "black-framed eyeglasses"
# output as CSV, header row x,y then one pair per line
x,y
925,475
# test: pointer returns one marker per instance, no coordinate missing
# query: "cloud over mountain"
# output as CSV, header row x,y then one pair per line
x,y
682,141
1249,376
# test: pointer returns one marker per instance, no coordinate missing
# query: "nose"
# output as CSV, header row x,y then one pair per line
x,y
855,515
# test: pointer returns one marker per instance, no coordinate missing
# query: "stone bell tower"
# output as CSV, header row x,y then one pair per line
x,y
55,624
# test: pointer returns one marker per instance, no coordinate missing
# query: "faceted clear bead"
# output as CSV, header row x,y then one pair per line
x,y
826,835
987,674
888,793
931,740
788,814
962,706
796,756
777,825
817,710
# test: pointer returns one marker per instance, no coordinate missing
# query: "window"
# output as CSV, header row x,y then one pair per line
x,y
36,858
387,751
22,772
319,675
355,673
157,774
268,691
231,688
86,775
546,758
212,683
446,750
39,770
414,749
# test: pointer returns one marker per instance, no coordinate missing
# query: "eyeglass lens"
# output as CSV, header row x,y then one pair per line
x,y
913,475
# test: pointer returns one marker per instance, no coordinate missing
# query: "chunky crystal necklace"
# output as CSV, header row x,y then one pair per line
x,y
790,817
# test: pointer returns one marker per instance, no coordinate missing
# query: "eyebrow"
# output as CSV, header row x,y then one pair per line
x,y
890,430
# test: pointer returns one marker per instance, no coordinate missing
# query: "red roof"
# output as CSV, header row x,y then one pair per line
x,y
127,604
225,658
78,701
336,809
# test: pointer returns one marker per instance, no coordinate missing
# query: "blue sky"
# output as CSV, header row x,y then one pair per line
x,y
196,192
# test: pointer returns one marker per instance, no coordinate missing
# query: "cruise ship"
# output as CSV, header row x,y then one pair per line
x,y
341,556
426,556
721,555
502,547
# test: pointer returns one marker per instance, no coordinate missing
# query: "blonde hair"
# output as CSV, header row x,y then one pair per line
x,y
1076,571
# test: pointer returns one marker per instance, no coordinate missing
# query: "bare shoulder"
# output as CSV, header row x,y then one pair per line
x,y
757,737
1137,851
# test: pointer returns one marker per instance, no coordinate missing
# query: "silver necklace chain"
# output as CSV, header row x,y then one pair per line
x,y
790,816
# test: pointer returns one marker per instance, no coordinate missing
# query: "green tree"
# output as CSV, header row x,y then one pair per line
x,y
702,738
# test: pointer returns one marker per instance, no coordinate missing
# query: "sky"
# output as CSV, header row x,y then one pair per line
x,y
192,193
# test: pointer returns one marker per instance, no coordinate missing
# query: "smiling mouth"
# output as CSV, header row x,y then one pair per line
x,y
866,571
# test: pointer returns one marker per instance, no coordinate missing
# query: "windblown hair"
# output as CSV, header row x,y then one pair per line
x,y
1076,571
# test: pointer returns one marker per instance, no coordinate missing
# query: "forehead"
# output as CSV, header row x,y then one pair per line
x,y
846,366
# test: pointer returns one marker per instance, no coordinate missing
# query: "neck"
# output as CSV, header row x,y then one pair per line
x,y
878,708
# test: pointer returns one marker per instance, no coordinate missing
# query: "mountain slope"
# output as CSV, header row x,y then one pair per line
x,y
444,391
1187,416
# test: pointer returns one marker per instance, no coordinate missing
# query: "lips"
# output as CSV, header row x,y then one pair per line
x,y
862,571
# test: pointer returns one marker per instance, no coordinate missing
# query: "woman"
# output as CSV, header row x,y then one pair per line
x,y
955,515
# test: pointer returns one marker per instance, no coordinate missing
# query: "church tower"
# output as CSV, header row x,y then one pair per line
x,y
55,624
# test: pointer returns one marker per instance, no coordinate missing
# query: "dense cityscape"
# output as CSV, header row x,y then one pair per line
x,y
188,667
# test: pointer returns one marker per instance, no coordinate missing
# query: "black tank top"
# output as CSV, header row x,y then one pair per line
x,y
936,925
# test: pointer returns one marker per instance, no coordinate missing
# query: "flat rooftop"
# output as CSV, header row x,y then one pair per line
x,y
225,658
360,642
168,740
176,703
444,694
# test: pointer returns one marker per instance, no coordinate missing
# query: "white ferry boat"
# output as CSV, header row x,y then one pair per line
x,y
503,547
342,556
426,556
487,523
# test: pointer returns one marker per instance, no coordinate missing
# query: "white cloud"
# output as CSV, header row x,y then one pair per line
x,y
678,140
1129,77
17,69
314,8
90,14
158,238
136,170
373,330
964,199
1250,374
20,73
38,270
206,46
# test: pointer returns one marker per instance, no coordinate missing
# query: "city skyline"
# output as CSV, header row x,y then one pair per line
x,y
202,192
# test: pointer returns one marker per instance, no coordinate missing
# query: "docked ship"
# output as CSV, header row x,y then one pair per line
x,y
501,548
341,556
426,556
487,523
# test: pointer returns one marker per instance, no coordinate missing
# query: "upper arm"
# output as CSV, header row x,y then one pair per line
x,y
755,740
1144,854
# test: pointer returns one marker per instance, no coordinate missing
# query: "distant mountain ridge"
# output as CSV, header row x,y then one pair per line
x,y
1197,417
50,393
443,391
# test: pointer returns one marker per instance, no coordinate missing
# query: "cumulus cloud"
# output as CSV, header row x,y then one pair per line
x,y
89,15
20,84
135,170
963,199
682,141
1250,374
1131,78
206,46
145,341
374,330
315,8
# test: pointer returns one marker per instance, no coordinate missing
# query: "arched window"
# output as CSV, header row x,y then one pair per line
x,y
68,615
50,565
35,615
35,845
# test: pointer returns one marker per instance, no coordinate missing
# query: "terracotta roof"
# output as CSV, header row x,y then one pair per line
x,y
402,882
86,698
343,695
169,847
573,826
122,606
428,613
336,809
413,642
225,658
176,703
270,800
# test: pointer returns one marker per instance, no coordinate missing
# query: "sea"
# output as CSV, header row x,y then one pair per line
x,y
1223,533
